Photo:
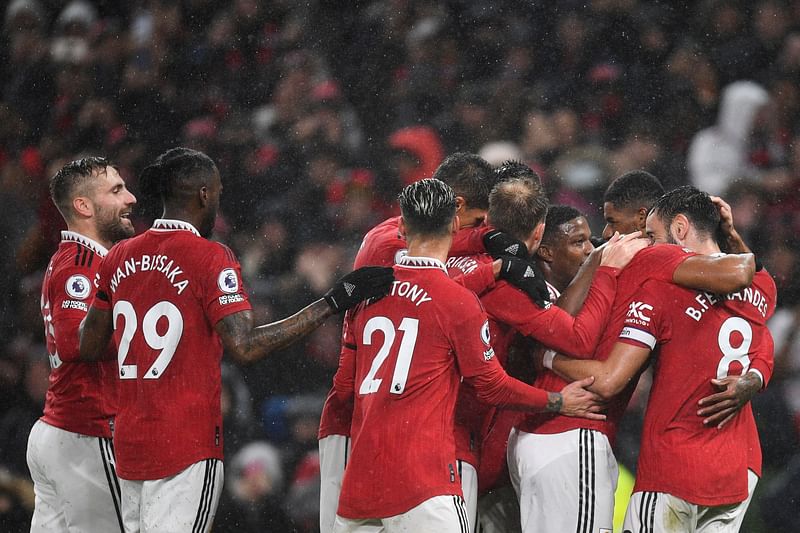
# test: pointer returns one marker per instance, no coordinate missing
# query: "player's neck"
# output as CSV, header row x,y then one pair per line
x,y
182,215
89,230
437,248
701,246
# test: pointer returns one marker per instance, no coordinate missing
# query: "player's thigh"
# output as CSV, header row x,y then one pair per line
x,y
184,502
657,512
498,512
131,496
726,518
74,480
574,472
469,486
333,453
440,514
349,525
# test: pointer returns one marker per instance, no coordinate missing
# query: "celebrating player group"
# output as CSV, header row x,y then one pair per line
x,y
424,429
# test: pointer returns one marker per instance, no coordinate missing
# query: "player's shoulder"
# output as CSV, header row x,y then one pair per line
x,y
382,245
764,281
656,253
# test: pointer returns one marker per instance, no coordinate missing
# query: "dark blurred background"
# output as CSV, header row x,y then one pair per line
x,y
318,112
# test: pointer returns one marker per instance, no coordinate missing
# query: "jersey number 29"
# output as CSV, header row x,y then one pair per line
x,y
167,343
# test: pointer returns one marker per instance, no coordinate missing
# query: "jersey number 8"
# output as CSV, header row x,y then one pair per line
x,y
167,343
732,353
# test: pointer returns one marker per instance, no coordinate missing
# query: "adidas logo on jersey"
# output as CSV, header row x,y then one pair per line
x,y
349,288
530,273
513,249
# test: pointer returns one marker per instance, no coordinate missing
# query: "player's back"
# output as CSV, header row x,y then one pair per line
x,y
405,383
81,397
699,336
168,287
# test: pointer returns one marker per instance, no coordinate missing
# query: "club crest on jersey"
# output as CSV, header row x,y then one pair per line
x,y
228,281
78,286
486,337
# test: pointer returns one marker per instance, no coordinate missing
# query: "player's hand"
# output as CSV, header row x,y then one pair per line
x,y
579,402
725,215
498,244
358,285
527,277
734,392
620,249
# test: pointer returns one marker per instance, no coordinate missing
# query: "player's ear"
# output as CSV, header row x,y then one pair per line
x,y
83,206
203,195
679,227
456,225
401,227
538,233
641,217
545,253
461,204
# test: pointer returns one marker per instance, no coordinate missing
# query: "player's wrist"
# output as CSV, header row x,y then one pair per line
x,y
555,401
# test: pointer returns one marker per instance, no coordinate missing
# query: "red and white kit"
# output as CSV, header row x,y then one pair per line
x,y
70,455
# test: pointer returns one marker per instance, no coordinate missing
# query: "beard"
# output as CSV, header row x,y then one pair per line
x,y
112,227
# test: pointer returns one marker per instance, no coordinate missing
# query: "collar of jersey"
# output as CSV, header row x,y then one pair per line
x,y
96,247
168,224
421,262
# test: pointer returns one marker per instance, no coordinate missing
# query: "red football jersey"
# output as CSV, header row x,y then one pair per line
x,y
403,357
695,337
654,262
81,396
383,245
168,288
512,312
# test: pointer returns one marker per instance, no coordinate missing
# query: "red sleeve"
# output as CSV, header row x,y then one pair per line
x,y
469,241
657,262
644,323
344,379
764,356
223,292
479,280
555,328
495,387
71,290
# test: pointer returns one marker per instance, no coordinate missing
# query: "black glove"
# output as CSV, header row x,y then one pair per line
x,y
498,244
527,277
358,285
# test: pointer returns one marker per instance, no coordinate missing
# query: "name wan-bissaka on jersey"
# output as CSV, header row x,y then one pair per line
x,y
149,263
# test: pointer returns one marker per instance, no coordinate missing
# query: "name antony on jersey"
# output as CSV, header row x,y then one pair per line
x,y
749,295
148,263
405,289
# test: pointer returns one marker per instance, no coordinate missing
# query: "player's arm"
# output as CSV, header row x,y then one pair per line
x,y
717,274
571,300
95,332
611,376
247,343
344,379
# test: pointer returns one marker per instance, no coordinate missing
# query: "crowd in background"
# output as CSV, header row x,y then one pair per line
x,y
318,112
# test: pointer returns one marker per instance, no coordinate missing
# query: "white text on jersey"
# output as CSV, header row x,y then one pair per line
x,y
406,289
465,264
749,295
158,263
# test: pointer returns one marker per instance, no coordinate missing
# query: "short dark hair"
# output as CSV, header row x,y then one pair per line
x,y
72,179
470,177
557,215
634,189
428,207
517,206
174,173
692,203
515,169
